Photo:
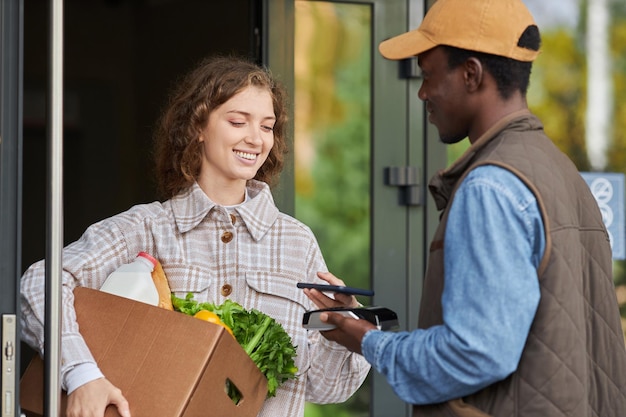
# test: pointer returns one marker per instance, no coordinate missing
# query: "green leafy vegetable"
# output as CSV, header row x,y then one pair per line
x,y
260,335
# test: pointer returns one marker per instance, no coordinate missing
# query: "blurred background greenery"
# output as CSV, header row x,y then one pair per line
x,y
332,130
558,96
332,148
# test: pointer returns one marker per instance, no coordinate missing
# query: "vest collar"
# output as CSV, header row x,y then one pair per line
x,y
443,182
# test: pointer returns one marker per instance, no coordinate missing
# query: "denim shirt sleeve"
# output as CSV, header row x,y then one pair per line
x,y
493,245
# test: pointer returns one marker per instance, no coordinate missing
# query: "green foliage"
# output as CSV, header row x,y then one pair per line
x,y
333,177
332,196
260,335
617,150
356,406
557,96
456,150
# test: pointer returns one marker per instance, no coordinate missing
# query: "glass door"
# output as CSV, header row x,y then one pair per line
x,y
332,144
358,124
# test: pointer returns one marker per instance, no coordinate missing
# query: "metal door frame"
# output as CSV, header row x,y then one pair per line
x,y
11,47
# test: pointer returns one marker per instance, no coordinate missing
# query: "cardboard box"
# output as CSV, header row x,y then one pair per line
x,y
166,363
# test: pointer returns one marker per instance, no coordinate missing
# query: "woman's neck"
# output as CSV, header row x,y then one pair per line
x,y
224,194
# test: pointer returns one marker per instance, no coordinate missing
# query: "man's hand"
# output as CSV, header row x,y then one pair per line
x,y
349,331
91,399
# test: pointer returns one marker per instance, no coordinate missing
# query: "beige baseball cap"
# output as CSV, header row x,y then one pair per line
x,y
489,26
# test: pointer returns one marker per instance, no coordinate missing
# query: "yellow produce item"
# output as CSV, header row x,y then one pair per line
x,y
211,317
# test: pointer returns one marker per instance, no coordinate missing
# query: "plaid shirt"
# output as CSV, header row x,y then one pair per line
x,y
254,250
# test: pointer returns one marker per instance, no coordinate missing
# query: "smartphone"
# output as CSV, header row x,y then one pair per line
x,y
336,288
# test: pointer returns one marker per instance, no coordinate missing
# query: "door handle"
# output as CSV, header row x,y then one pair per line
x,y
9,366
406,178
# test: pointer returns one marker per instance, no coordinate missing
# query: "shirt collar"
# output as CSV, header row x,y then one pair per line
x,y
443,182
258,212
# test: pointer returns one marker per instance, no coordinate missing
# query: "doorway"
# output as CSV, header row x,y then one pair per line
x,y
120,59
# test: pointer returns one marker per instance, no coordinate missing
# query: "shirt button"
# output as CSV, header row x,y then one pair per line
x,y
227,237
226,290
233,219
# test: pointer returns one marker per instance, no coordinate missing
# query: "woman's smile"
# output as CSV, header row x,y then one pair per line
x,y
246,156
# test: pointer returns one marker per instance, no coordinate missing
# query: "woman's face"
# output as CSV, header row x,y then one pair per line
x,y
238,137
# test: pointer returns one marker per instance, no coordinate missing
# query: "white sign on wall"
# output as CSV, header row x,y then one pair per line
x,y
608,190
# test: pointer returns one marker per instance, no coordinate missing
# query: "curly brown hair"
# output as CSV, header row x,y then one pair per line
x,y
214,81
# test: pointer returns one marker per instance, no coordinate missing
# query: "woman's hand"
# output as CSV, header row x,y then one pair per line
x,y
349,332
321,300
92,399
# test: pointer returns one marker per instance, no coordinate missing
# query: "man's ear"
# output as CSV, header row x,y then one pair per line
x,y
473,74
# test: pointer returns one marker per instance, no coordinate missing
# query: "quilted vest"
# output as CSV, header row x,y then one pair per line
x,y
574,360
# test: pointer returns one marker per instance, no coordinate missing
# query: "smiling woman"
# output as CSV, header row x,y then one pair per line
x,y
218,236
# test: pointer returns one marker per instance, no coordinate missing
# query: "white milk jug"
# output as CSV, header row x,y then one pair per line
x,y
134,280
